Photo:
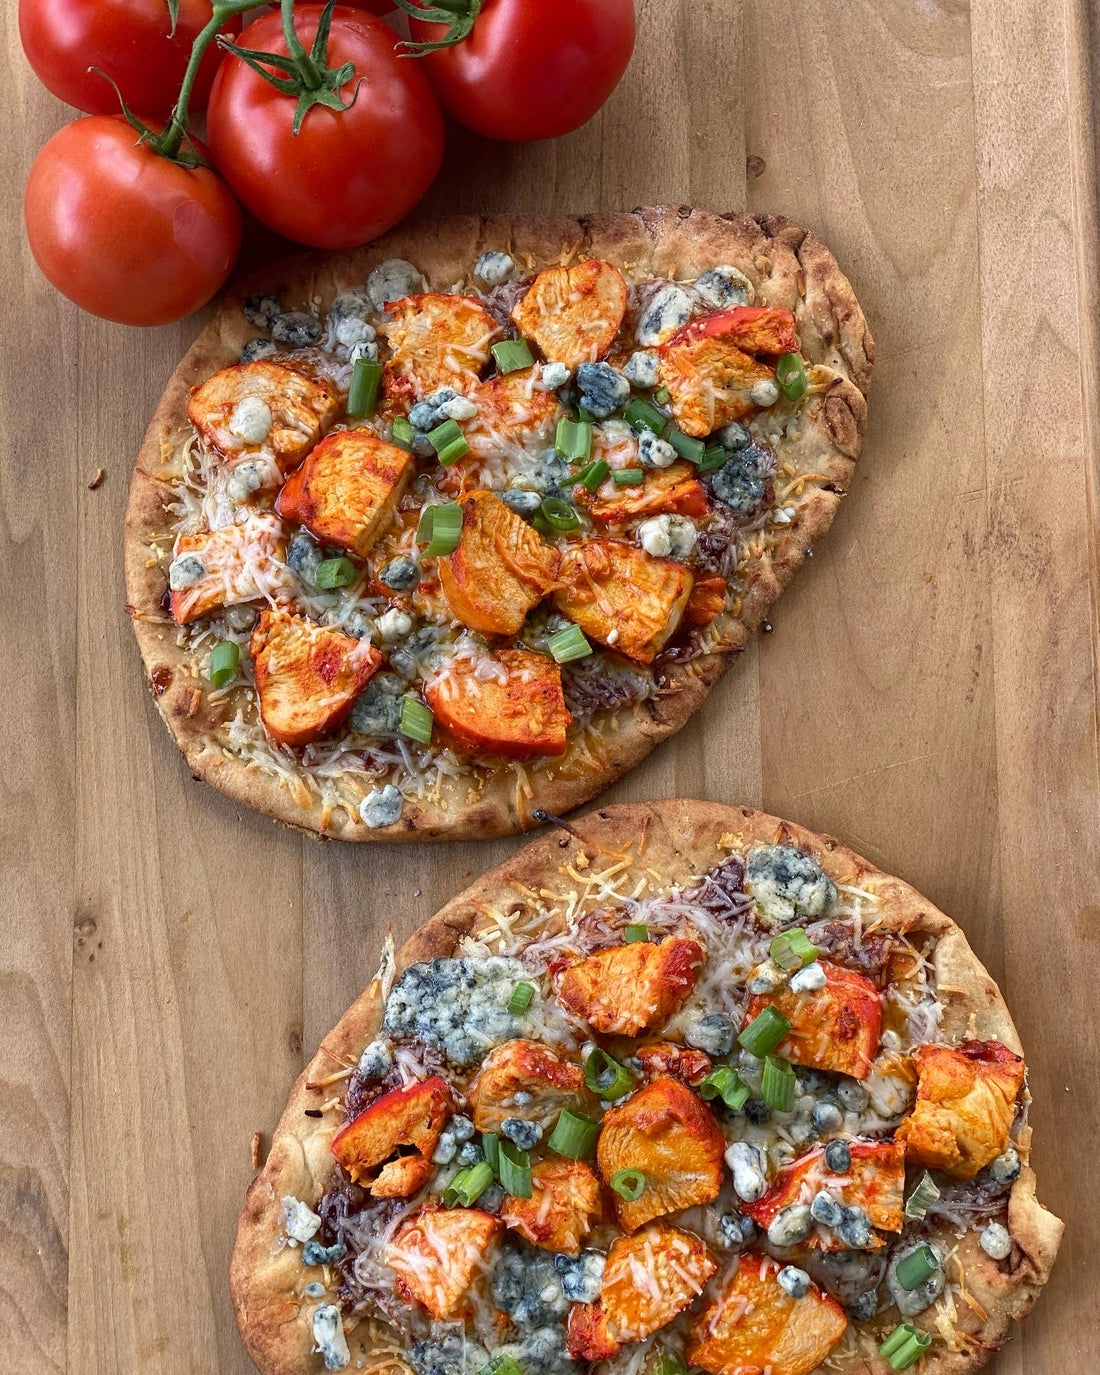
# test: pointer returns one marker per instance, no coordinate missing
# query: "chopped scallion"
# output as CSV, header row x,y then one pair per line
x,y
449,442
641,415
921,1199
790,375
778,1084
662,396
490,1149
225,663
605,1076
416,720
590,478
628,1184
792,949
468,1185
440,529
332,573
635,933
559,515
401,433
905,1346
514,1168
512,354
686,446
573,439
366,379
724,1082
713,457
628,477
574,1136
501,1365
521,998
569,644
764,1032
669,1365
912,1270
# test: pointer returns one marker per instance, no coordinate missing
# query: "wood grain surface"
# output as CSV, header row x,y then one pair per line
x,y
929,692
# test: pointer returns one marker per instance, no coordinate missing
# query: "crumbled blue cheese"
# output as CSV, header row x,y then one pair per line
x,y
790,1226
376,1060
457,408
725,286
667,536
794,1281
377,709
581,1276
808,980
262,310
603,390
391,280
747,1167
996,1241
654,451
251,420
910,1302
313,1253
258,348
300,1222
733,436
243,480
495,268
1006,1167
393,624
365,349
381,807
297,329
401,574
452,1354
551,377
764,393
184,572
788,885
314,1290
712,1033
457,1006
328,1337
668,310
350,332
643,370
527,1286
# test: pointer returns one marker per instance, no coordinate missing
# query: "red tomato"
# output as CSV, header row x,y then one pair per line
x,y
123,232
347,175
131,40
375,6
531,69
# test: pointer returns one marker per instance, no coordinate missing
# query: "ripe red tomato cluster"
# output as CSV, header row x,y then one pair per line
x,y
137,221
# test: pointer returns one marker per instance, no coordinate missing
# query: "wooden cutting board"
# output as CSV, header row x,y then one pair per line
x,y
928,693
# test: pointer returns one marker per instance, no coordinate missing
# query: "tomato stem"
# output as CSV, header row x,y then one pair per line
x,y
168,143
307,69
458,15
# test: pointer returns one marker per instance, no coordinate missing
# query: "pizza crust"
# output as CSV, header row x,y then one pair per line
x,y
678,839
788,267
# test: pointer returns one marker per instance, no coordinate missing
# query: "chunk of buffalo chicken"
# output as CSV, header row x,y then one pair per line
x,y
307,675
966,1101
666,491
436,340
566,1202
834,1028
649,1278
875,1182
300,409
690,1066
622,596
625,989
709,378
664,1131
573,314
388,1147
708,598
347,489
518,712
240,563
511,413
756,329
754,1325
500,570
547,1082
440,1255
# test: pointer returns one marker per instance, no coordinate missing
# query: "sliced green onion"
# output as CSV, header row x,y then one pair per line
x,y
662,396
921,1199
401,433
490,1149
713,457
366,378
606,1077
628,477
641,415
593,476
764,1032
468,1185
515,1170
521,997
913,1269
573,439
335,573
790,375
416,720
225,663
905,1346
628,1184
449,442
512,354
541,524
724,1082
793,949
686,446
501,1365
569,644
778,1084
635,933
558,514
583,413
574,1136
669,1365
440,529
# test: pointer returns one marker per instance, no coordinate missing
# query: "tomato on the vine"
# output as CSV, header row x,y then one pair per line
x,y
524,70
124,232
348,173
130,40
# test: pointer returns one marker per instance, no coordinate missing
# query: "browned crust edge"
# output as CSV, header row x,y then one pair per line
x,y
681,838
788,266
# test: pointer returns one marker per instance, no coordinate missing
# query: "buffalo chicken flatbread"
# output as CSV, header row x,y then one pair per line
x,y
684,1086
429,535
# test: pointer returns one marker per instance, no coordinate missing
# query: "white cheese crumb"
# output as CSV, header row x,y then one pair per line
x,y
458,408
251,419
495,268
393,625
764,393
300,1222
